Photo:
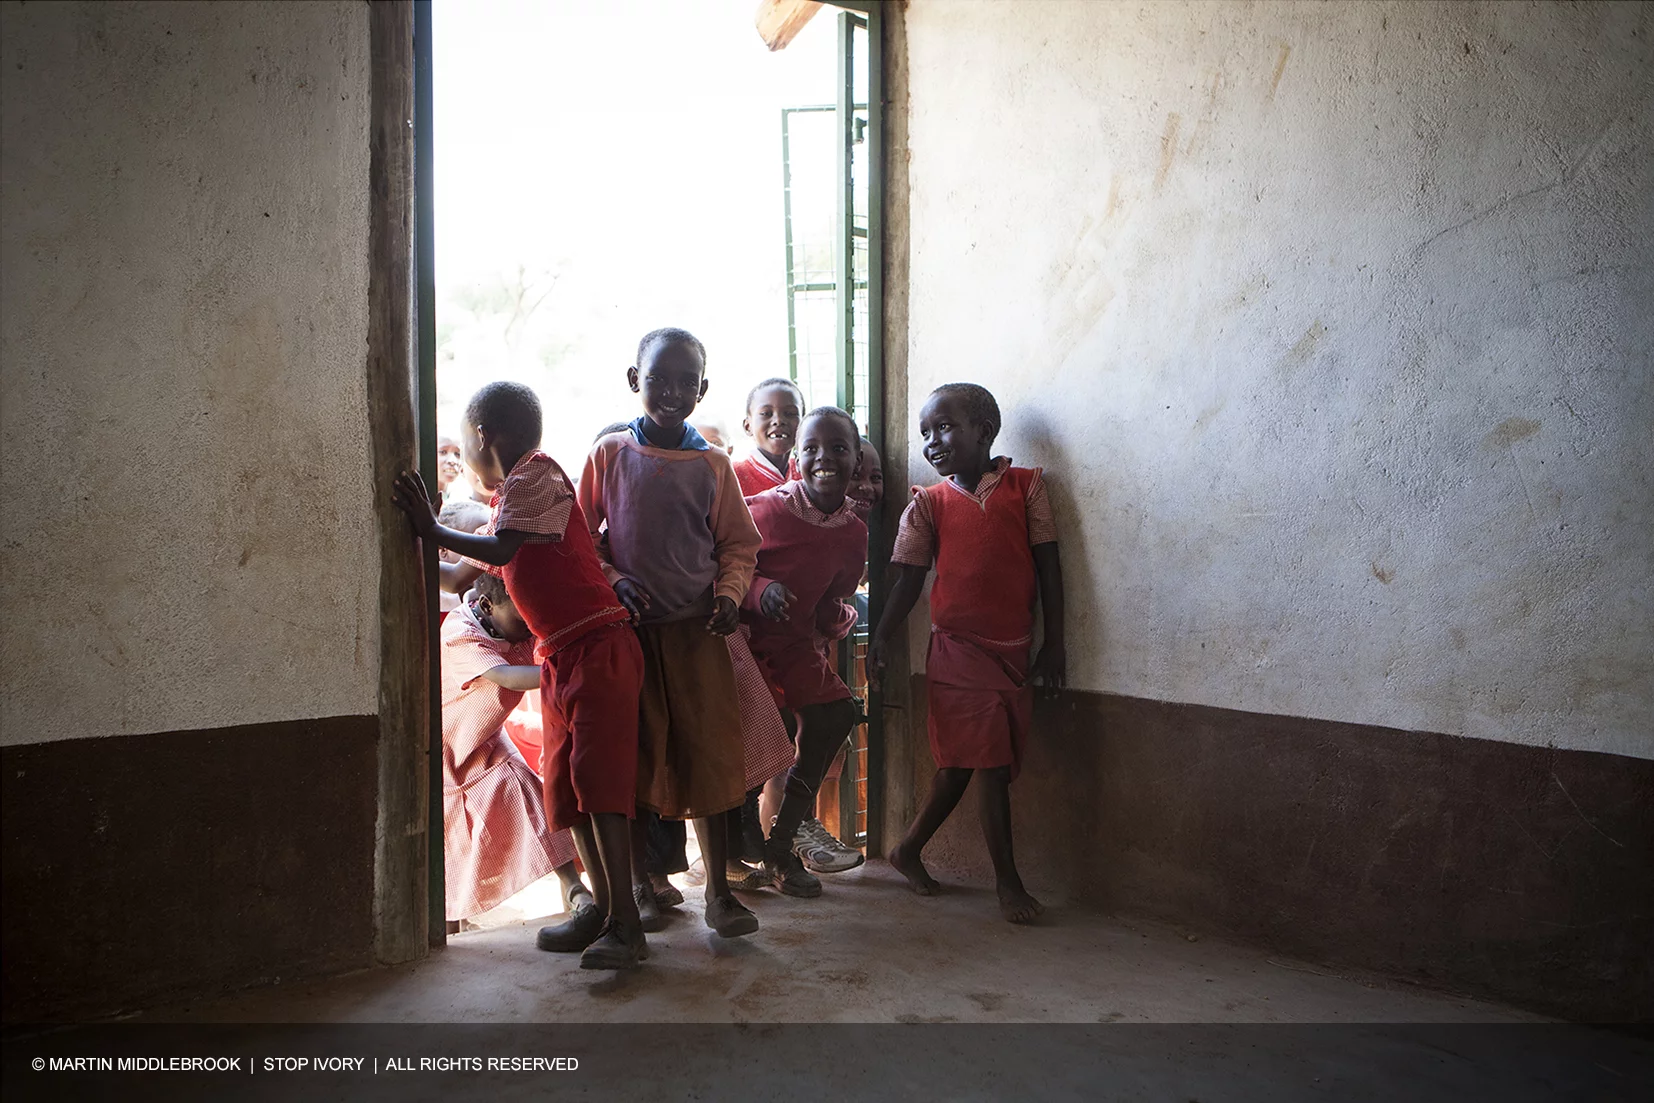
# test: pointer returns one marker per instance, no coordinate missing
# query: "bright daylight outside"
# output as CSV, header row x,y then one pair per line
x,y
607,169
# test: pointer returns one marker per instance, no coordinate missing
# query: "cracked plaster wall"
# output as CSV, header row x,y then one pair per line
x,y
1331,325
188,540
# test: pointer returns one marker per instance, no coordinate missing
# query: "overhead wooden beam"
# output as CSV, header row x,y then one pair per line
x,y
779,21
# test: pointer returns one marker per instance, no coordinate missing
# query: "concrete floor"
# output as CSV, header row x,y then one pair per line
x,y
870,952
867,950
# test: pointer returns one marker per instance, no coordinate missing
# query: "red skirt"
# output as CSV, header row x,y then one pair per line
x,y
981,707
589,701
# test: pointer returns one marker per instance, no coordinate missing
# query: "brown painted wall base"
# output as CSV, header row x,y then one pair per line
x,y
184,863
1522,873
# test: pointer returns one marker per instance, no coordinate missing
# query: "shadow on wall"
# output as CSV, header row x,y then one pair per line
x,y
1084,627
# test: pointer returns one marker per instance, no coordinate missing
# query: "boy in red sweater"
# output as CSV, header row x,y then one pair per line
x,y
811,559
592,668
988,526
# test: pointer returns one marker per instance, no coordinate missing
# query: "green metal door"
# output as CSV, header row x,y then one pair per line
x,y
832,187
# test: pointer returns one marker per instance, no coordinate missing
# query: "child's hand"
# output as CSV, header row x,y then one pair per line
x,y
725,617
775,601
411,497
1051,666
875,664
634,597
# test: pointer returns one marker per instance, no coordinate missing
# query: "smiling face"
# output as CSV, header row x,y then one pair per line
x,y
772,420
867,485
828,449
954,444
671,379
450,463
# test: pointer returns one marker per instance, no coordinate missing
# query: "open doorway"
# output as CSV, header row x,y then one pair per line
x,y
604,170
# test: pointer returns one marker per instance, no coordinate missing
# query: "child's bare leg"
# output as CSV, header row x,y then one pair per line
x,y
573,886
591,856
724,914
640,847
945,790
769,801
614,851
821,732
621,943
584,925
993,795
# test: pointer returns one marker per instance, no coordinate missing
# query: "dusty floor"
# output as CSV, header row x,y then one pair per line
x,y
1147,1014
867,950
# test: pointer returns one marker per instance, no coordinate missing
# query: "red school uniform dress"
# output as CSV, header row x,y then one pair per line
x,y
592,665
981,609
819,557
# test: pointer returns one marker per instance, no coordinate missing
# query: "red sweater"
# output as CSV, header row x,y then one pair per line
x,y
819,557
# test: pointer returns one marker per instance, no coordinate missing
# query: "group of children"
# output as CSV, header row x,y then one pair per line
x,y
682,610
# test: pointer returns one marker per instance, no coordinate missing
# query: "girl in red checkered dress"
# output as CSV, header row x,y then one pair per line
x,y
989,529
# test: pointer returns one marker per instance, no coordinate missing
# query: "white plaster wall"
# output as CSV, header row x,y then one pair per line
x,y
188,539
1333,324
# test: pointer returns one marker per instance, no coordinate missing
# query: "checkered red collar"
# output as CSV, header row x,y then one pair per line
x,y
799,503
990,479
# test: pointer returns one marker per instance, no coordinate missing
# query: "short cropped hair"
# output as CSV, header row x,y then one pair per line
x,y
466,516
510,412
776,381
617,427
492,587
979,403
843,415
671,335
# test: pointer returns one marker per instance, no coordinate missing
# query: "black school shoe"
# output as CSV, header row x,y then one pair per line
x,y
788,872
575,933
614,949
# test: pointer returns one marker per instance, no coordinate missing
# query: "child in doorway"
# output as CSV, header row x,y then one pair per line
x,y
774,408
495,838
988,526
450,470
814,550
591,666
818,848
678,546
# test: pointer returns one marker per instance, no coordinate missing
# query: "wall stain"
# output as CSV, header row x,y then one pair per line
x,y
1280,69
1383,574
1509,431
1113,196
1301,351
1168,148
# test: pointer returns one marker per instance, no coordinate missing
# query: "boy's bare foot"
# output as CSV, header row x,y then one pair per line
x,y
729,917
909,866
1017,906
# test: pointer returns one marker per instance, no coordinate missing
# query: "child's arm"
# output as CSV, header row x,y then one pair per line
x,y
735,546
1051,664
832,610
590,491
910,561
519,678
908,584
409,494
